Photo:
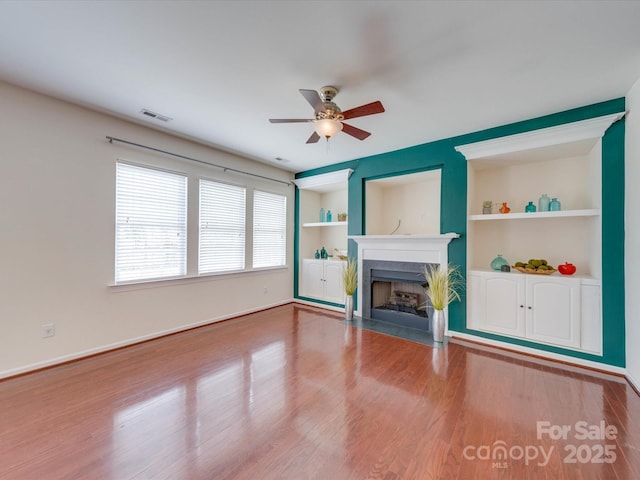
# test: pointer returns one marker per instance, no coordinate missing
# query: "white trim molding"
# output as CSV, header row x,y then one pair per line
x,y
324,179
591,128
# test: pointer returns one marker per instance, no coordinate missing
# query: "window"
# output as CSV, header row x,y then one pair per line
x,y
222,227
151,223
269,229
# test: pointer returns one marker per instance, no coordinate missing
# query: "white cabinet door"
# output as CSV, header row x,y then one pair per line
x,y
553,310
322,279
591,316
312,278
334,289
475,319
504,304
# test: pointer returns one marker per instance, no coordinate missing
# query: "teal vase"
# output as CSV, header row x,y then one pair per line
x,y
554,205
530,208
543,203
498,262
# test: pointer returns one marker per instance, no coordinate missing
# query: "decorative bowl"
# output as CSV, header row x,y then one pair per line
x,y
535,272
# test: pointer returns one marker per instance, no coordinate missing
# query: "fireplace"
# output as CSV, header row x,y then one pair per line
x,y
394,292
392,266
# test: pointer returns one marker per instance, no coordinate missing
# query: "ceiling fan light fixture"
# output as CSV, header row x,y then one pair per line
x,y
327,127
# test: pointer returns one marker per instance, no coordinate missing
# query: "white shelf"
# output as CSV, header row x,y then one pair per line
x,y
324,224
529,216
584,278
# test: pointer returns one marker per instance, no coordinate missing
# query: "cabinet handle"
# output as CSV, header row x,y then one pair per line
x,y
521,306
529,308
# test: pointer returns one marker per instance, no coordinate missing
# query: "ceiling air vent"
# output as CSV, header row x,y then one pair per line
x,y
157,116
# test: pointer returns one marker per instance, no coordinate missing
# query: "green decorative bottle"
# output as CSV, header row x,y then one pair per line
x,y
498,262
530,208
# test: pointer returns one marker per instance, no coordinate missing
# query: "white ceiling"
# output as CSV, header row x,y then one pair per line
x,y
220,69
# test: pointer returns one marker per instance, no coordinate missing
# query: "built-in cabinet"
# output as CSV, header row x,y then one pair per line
x,y
540,308
564,162
322,280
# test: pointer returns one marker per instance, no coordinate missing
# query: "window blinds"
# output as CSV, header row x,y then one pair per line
x,y
269,229
222,227
151,223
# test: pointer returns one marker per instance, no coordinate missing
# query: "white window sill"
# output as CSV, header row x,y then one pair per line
x,y
168,282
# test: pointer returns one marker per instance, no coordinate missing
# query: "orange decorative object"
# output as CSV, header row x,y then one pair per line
x,y
504,208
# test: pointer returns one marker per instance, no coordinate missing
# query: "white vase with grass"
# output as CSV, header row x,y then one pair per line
x,y
444,283
350,282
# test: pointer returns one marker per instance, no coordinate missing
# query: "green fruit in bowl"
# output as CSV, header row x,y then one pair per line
x,y
519,264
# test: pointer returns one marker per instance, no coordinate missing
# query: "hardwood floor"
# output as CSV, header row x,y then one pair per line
x,y
292,393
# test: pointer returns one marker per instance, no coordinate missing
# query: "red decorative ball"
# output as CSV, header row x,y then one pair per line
x,y
567,268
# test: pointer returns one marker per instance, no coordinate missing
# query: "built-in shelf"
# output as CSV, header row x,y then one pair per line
x,y
531,216
324,224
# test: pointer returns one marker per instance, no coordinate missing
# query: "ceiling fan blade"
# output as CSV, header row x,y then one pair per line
x,y
289,120
313,138
314,99
354,132
363,110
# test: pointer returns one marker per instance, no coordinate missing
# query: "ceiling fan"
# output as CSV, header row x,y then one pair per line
x,y
329,118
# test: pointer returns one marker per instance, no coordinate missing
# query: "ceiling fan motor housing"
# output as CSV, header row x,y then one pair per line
x,y
331,110
328,93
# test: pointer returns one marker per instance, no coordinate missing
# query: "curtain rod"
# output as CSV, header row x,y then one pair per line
x,y
226,169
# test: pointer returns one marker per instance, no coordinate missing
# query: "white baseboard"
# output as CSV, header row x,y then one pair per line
x,y
319,305
132,341
541,353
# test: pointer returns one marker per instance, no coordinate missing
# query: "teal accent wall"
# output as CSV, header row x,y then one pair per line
x,y
441,154
613,262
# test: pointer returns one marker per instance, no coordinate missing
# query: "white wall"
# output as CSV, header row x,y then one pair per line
x,y
632,233
57,197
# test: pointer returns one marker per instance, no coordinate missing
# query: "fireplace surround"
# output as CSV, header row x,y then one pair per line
x,y
397,260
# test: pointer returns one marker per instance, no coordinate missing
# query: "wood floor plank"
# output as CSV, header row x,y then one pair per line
x,y
293,393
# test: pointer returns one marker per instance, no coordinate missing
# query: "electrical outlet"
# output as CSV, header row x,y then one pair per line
x,y
265,290
48,330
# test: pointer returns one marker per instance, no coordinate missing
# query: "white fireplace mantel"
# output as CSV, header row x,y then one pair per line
x,y
427,248
420,248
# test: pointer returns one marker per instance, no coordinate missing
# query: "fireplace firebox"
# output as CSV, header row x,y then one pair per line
x,y
394,292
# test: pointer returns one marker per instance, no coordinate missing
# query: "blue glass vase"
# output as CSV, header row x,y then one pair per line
x,y
530,208
554,205
498,262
